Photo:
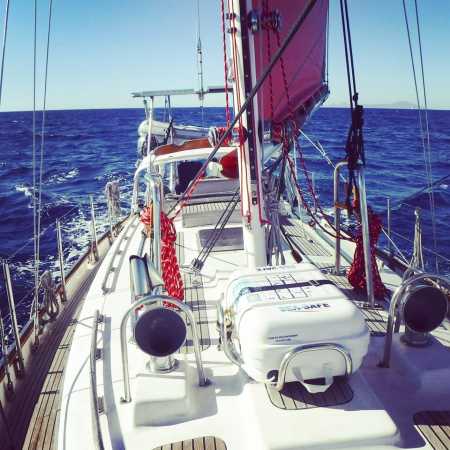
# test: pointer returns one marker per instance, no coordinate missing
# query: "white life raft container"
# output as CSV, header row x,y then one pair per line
x,y
275,309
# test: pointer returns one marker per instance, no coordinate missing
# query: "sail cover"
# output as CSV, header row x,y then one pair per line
x,y
304,60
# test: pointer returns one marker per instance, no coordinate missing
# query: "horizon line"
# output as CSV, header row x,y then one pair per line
x,y
336,106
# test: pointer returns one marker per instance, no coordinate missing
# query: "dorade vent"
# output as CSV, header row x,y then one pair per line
x,y
160,332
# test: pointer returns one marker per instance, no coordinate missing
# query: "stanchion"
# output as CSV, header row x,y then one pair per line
x,y
61,262
12,312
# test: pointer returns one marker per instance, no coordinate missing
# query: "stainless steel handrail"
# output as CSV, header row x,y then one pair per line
x,y
389,225
398,295
365,235
96,429
234,356
159,300
155,184
94,244
288,357
364,226
337,215
116,250
228,348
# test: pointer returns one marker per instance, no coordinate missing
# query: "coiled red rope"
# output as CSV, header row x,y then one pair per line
x,y
169,262
357,274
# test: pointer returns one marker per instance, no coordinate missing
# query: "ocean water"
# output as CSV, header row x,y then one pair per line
x,y
85,149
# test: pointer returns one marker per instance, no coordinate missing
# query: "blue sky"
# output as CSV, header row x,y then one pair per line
x,y
102,50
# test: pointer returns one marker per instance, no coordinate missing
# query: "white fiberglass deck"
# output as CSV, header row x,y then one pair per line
x,y
172,408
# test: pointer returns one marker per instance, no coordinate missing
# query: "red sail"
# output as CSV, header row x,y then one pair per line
x,y
302,69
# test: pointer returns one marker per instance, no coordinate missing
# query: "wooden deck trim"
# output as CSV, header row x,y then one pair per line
x,y
200,443
41,425
35,426
294,396
27,330
435,427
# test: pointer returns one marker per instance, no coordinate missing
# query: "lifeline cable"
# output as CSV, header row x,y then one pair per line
x,y
355,142
5,33
427,128
41,163
36,263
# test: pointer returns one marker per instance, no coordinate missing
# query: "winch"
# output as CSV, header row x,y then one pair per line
x,y
296,314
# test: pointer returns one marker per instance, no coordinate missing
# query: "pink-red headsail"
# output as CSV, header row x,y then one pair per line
x,y
304,60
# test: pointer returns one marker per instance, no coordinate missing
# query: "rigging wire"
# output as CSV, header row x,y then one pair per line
x,y
43,231
41,163
344,33
404,200
427,129
350,49
424,130
225,64
35,240
318,146
327,44
428,250
198,263
355,141
5,32
399,252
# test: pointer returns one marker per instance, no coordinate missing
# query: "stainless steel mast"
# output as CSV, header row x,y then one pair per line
x,y
249,158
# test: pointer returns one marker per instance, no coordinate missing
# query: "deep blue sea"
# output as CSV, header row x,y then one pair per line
x,y
86,148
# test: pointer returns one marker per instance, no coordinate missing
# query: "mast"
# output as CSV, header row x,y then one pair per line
x,y
250,154
200,69
201,94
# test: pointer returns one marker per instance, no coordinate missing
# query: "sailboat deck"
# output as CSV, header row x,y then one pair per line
x,y
202,293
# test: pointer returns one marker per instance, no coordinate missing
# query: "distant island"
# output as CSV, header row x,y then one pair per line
x,y
394,105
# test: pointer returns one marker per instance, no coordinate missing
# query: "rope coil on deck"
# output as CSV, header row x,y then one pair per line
x,y
169,262
356,274
50,303
112,194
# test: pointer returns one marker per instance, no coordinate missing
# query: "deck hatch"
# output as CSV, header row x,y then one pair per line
x,y
229,239
207,213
